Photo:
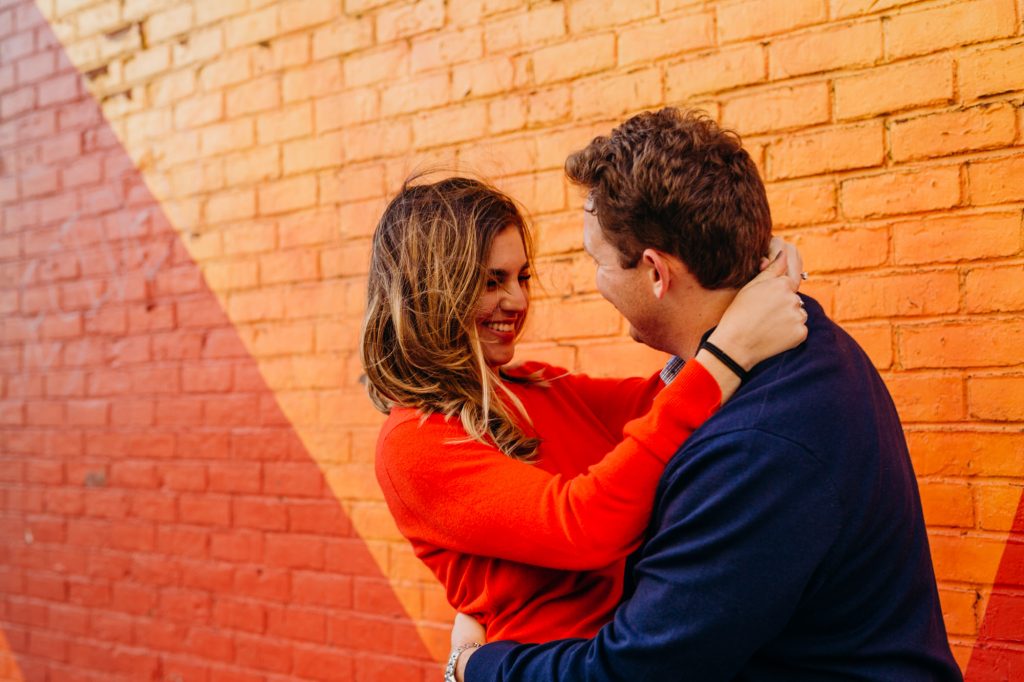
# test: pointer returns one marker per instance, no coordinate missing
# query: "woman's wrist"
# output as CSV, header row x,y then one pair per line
x,y
467,635
725,359
727,380
458,661
733,347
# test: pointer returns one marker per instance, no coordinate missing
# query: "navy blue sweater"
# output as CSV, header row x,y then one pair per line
x,y
786,544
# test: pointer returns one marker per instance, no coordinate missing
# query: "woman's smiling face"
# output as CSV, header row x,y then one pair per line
x,y
501,309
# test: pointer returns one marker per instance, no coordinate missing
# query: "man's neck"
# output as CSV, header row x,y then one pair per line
x,y
698,313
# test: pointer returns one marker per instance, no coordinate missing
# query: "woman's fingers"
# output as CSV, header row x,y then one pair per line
x,y
776,268
795,262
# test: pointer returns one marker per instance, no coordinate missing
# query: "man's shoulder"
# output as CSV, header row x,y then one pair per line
x,y
824,397
740,445
825,376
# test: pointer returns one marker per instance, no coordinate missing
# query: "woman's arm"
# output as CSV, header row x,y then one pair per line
x,y
466,496
615,401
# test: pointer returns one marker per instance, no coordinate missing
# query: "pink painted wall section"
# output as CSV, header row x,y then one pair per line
x,y
161,517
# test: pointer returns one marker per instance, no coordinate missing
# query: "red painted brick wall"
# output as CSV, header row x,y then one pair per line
x,y
187,190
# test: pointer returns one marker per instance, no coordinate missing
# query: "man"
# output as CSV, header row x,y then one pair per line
x,y
787,540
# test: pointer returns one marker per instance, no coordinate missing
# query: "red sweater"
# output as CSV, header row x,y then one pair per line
x,y
537,551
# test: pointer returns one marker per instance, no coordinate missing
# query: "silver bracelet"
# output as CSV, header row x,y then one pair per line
x,y
449,670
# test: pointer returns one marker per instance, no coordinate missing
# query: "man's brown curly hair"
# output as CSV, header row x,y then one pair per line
x,y
676,182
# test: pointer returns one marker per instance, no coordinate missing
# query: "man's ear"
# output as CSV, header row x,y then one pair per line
x,y
659,271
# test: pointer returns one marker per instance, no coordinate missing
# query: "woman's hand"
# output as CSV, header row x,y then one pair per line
x,y
766,317
466,630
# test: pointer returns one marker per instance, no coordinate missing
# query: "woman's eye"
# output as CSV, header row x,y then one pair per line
x,y
524,278
492,284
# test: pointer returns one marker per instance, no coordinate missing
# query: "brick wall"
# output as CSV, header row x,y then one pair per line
x,y
188,189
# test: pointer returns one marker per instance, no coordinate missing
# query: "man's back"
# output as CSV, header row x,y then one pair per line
x,y
833,526
787,543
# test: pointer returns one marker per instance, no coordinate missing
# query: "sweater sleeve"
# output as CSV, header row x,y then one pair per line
x,y
741,528
458,494
616,401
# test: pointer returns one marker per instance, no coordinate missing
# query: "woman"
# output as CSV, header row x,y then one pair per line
x,y
523,489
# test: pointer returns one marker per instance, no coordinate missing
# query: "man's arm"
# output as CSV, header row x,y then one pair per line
x,y
742,524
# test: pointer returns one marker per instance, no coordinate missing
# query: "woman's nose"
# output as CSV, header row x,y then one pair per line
x,y
515,298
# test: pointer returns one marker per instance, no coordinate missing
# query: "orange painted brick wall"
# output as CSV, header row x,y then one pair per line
x,y
187,191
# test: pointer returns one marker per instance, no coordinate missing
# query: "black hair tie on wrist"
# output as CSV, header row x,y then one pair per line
x,y
733,366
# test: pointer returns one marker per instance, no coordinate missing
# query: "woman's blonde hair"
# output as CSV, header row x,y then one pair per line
x,y
420,347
